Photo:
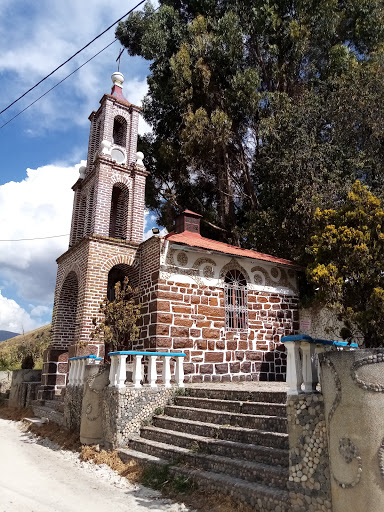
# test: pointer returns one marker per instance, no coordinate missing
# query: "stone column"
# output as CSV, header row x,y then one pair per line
x,y
353,389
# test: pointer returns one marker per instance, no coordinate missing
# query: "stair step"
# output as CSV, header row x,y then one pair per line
x,y
272,476
257,496
262,422
223,432
263,454
238,394
255,408
43,411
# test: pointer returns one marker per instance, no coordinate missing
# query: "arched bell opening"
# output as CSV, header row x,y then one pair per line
x,y
120,131
119,211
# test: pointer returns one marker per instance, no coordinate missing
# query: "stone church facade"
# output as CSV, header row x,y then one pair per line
x,y
225,307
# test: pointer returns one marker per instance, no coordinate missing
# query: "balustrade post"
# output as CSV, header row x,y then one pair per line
x,y
70,373
309,367
112,372
152,371
82,371
166,371
121,371
179,373
137,376
76,372
294,374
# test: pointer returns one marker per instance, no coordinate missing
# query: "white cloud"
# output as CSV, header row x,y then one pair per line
x,y
14,318
39,206
55,31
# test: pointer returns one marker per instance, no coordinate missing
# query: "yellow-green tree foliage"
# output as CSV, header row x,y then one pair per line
x,y
348,264
118,325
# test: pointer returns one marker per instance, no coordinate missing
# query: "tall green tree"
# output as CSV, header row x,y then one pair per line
x,y
259,111
347,264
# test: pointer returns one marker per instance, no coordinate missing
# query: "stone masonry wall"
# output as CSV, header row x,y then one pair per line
x,y
309,476
124,411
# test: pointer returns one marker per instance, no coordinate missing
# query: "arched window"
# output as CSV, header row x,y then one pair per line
x,y
120,131
119,212
236,301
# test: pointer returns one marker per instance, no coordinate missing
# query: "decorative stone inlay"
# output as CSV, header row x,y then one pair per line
x,y
182,259
377,357
209,263
277,276
275,273
309,476
170,254
349,452
381,459
234,265
336,378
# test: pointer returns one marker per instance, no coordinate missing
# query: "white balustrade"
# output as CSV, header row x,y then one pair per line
x,y
137,373
77,368
179,372
166,371
303,361
117,375
152,371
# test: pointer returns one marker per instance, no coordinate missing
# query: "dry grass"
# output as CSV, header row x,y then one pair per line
x,y
15,413
131,470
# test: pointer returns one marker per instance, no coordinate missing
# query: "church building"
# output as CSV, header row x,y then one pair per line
x,y
225,307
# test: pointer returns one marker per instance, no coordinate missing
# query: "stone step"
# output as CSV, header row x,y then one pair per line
x,y
266,423
271,476
208,445
223,432
42,411
259,497
255,408
279,397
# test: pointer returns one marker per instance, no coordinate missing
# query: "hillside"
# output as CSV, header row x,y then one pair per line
x,y
32,343
6,335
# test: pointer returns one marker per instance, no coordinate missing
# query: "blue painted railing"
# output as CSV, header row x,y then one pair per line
x,y
303,370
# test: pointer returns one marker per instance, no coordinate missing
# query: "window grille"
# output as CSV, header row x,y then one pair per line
x,y
236,301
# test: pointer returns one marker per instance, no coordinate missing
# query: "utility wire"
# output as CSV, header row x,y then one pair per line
x,y
58,83
70,58
37,238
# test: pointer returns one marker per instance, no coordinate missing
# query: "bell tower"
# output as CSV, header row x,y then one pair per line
x,y
106,230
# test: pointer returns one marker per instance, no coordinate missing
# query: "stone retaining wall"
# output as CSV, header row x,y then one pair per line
x,y
124,410
309,476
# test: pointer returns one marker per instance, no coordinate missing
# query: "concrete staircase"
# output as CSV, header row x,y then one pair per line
x,y
228,441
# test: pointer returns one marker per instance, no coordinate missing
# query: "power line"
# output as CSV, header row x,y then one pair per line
x,y
70,58
36,238
58,83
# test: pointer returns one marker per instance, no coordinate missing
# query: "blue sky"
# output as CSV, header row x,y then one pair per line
x,y
42,149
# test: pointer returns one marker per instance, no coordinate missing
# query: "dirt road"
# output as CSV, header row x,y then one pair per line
x,y
35,476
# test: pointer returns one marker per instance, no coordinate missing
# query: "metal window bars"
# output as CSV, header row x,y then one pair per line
x,y
236,302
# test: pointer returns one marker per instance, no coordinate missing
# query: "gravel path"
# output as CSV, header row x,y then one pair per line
x,y
36,476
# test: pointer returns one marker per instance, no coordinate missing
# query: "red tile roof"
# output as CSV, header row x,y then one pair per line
x,y
196,240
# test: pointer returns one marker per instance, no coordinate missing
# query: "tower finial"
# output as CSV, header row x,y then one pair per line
x,y
117,79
